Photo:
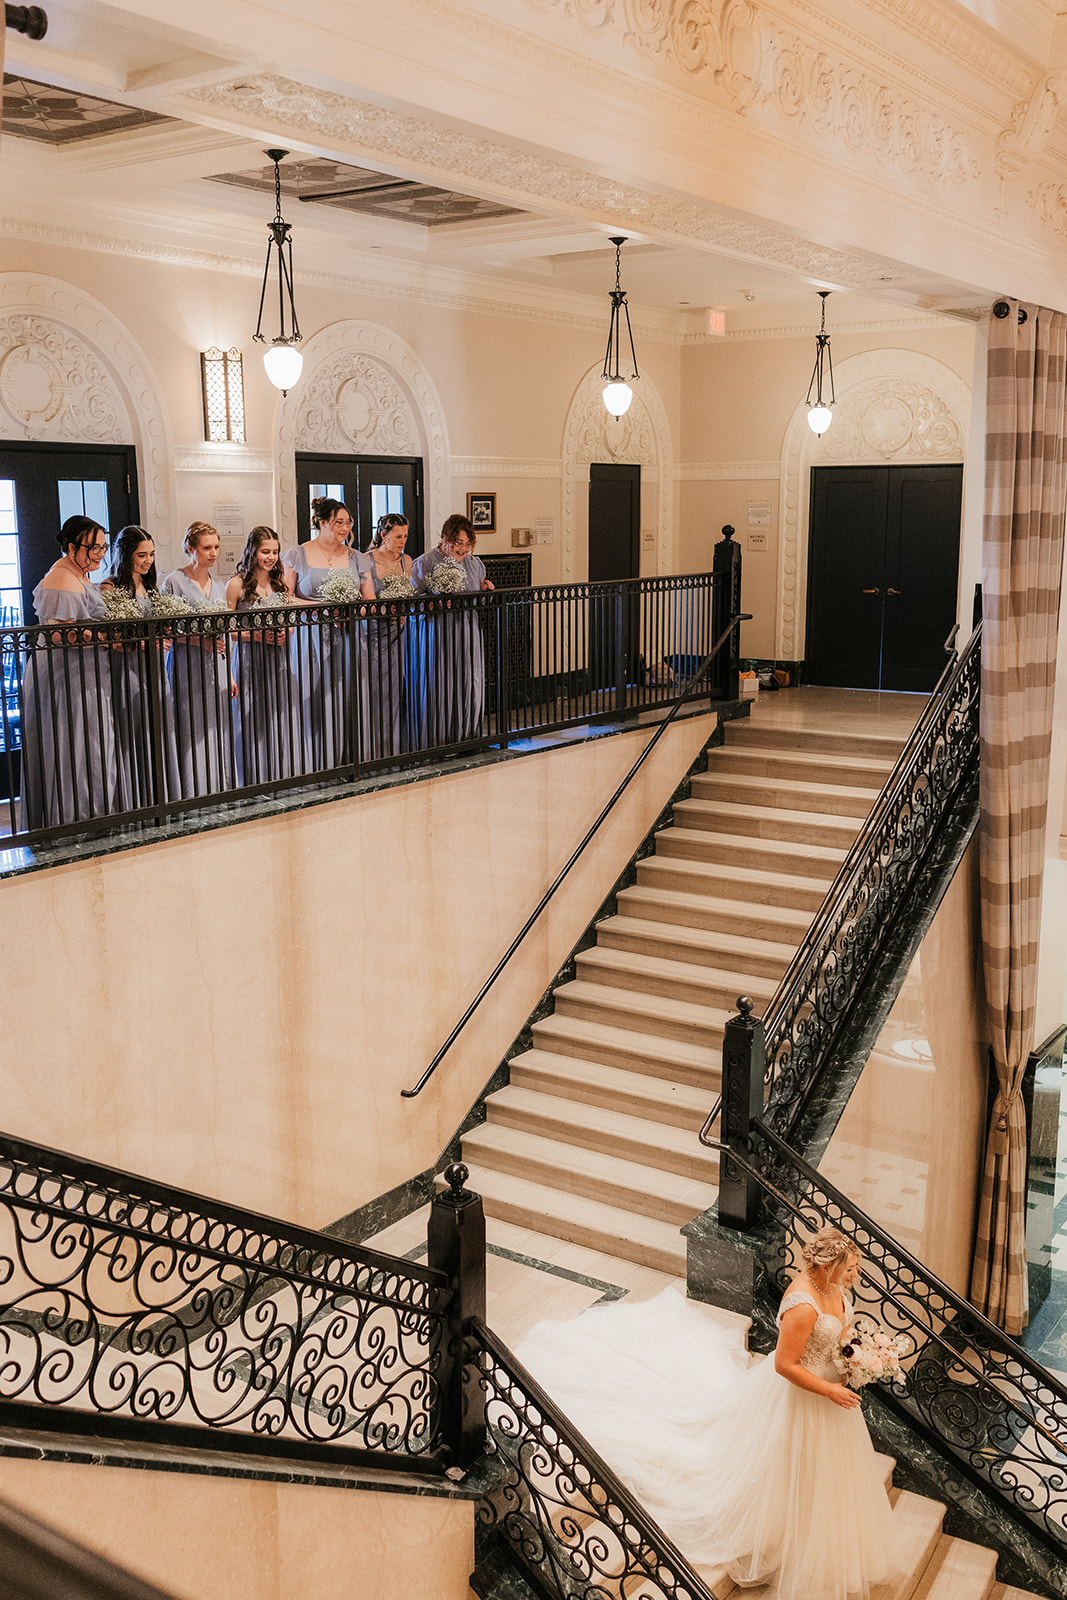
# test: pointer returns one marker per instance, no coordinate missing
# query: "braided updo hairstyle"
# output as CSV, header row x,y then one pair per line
x,y
829,1250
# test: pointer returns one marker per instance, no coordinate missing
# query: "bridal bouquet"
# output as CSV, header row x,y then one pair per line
x,y
275,601
168,605
398,587
120,604
867,1354
339,589
447,577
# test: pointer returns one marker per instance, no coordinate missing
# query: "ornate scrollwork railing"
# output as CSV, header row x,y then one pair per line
x,y
823,978
557,1504
131,1309
982,1399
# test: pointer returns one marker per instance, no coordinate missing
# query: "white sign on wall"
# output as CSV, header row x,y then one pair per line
x,y
229,520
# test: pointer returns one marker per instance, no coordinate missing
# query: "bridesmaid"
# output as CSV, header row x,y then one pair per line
x,y
266,732
68,741
385,639
449,656
326,669
133,568
200,678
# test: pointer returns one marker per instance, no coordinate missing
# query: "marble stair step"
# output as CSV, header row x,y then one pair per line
x,y
680,1105
740,789
882,746
610,1229
644,1013
726,882
665,1146
740,850
761,957
768,822
918,1523
590,1174
672,980
714,914
573,1038
1005,1591
957,1570
787,767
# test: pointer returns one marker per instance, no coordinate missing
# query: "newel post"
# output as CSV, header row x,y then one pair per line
x,y
727,570
744,1060
456,1246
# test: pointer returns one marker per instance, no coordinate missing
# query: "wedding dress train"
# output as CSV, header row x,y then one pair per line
x,y
739,1466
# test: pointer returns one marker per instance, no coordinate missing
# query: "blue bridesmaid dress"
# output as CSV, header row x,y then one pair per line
x,y
199,675
329,672
267,729
386,647
446,662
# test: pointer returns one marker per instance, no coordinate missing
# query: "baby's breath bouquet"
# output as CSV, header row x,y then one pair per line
x,y
203,610
169,605
447,577
340,589
120,604
867,1354
398,587
275,601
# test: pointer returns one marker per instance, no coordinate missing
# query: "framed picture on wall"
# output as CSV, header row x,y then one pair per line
x,y
481,509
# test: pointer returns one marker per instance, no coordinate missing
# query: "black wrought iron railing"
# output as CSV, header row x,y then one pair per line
x,y
968,1388
805,1015
133,1310
140,720
567,1520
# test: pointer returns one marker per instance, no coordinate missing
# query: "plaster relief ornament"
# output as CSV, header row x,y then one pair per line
x,y
52,386
353,401
894,419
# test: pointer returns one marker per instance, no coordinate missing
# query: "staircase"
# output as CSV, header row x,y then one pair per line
x,y
594,1139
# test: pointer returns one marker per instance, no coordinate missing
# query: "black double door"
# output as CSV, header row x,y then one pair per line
x,y
370,486
41,485
883,568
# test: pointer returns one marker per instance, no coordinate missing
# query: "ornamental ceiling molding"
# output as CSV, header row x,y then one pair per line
x,y
505,467
893,406
362,384
319,115
756,62
79,376
641,438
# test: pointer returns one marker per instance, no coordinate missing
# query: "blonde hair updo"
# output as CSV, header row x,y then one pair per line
x,y
829,1250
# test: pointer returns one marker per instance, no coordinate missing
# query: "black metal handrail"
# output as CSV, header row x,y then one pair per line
x,y
827,969
37,1562
114,723
574,1527
971,1388
132,1309
574,857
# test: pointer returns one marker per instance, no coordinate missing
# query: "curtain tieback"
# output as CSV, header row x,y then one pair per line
x,y
1002,1120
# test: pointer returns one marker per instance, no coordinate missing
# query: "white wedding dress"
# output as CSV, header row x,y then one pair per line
x,y
740,1467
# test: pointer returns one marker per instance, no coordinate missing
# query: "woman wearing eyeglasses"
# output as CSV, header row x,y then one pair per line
x,y
68,739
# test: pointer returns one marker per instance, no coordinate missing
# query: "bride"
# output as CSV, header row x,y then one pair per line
x,y
769,1470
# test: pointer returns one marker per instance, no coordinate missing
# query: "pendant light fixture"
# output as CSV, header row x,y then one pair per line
x,y
617,392
821,388
283,360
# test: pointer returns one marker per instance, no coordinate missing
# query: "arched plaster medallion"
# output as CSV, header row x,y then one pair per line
x,y
641,438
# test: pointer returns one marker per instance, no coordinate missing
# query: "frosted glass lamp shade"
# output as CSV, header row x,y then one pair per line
x,y
617,397
820,418
284,365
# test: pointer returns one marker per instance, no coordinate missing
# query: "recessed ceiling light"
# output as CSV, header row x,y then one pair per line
x,y
746,294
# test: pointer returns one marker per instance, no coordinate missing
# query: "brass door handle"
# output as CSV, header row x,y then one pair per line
x,y
892,591
871,591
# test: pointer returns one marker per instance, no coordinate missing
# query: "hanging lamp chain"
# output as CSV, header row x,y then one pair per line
x,y
280,239
619,307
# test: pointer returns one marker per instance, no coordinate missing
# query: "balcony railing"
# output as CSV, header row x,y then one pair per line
x,y
133,721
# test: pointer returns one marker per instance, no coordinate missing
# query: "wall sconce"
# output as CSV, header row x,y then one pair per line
x,y
820,415
223,385
282,361
617,392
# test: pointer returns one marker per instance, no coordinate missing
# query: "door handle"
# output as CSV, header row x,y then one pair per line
x,y
870,591
893,591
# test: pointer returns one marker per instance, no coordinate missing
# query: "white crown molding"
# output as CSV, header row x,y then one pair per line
x,y
505,467
728,471
222,458
907,322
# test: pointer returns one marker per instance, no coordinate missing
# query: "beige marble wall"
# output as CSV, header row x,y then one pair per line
x,y
237,1012
909,1146
199,1537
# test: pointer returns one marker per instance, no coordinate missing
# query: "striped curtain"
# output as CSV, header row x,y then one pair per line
x,y
1026,495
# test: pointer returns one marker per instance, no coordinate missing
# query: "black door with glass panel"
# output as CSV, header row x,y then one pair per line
x,y
41,485
883,567
614,552
370,486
